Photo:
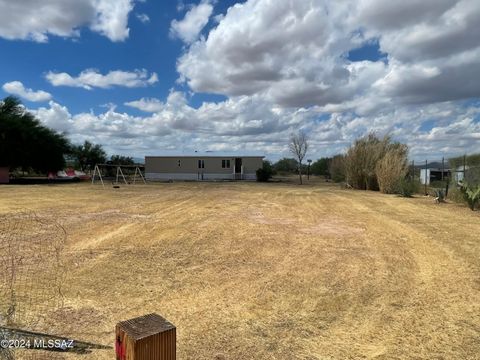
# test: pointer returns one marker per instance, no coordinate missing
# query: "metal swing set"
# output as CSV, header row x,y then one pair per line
x,y
120,176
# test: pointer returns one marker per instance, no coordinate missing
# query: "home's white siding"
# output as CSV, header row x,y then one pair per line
x,y
187,168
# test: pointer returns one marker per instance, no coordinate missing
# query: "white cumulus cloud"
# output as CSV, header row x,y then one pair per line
x,y
295,53
17,88
188,29
146,104
111,18
56,116
144,18
91,78
248,122
34,20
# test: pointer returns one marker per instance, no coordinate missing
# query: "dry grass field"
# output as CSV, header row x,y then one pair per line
x,y
267,271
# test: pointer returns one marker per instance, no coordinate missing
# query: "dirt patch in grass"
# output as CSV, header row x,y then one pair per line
x,y
333,226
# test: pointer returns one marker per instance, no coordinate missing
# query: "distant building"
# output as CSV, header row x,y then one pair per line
x,y
433,174
208,165
459,173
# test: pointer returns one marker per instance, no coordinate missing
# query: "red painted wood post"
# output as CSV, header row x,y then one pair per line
x,y
149,337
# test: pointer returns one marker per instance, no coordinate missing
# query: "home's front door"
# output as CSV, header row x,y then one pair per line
x,y
201,169
238,168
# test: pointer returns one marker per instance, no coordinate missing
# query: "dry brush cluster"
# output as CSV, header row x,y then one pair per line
x,y
372,163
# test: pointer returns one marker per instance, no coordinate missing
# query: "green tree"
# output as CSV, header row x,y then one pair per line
x,y
25,143
266,172
286,165
121,160
88,155
320,167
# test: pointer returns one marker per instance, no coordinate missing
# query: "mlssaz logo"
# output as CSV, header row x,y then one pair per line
x,y
53,344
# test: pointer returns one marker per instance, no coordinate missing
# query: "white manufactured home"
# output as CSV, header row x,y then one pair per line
x,y
208,165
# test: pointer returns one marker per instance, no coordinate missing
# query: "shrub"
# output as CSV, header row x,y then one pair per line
x,y
471,196
363,157
336,168
456,195
266,172
360,162
407,188
391,169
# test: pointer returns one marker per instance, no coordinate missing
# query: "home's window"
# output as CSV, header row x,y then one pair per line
x,y
225,164
201,164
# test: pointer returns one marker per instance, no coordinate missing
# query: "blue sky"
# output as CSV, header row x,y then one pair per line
x,y
148,46
141,77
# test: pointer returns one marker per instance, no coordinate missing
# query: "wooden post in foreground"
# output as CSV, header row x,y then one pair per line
x,y
149,337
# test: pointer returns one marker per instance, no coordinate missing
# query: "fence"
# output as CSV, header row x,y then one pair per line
x,y
33,272
441,173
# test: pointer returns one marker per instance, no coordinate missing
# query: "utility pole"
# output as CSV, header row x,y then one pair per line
x,y
308,168
426,170
443,166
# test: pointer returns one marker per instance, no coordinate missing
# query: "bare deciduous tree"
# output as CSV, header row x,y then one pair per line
x,y
298,146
